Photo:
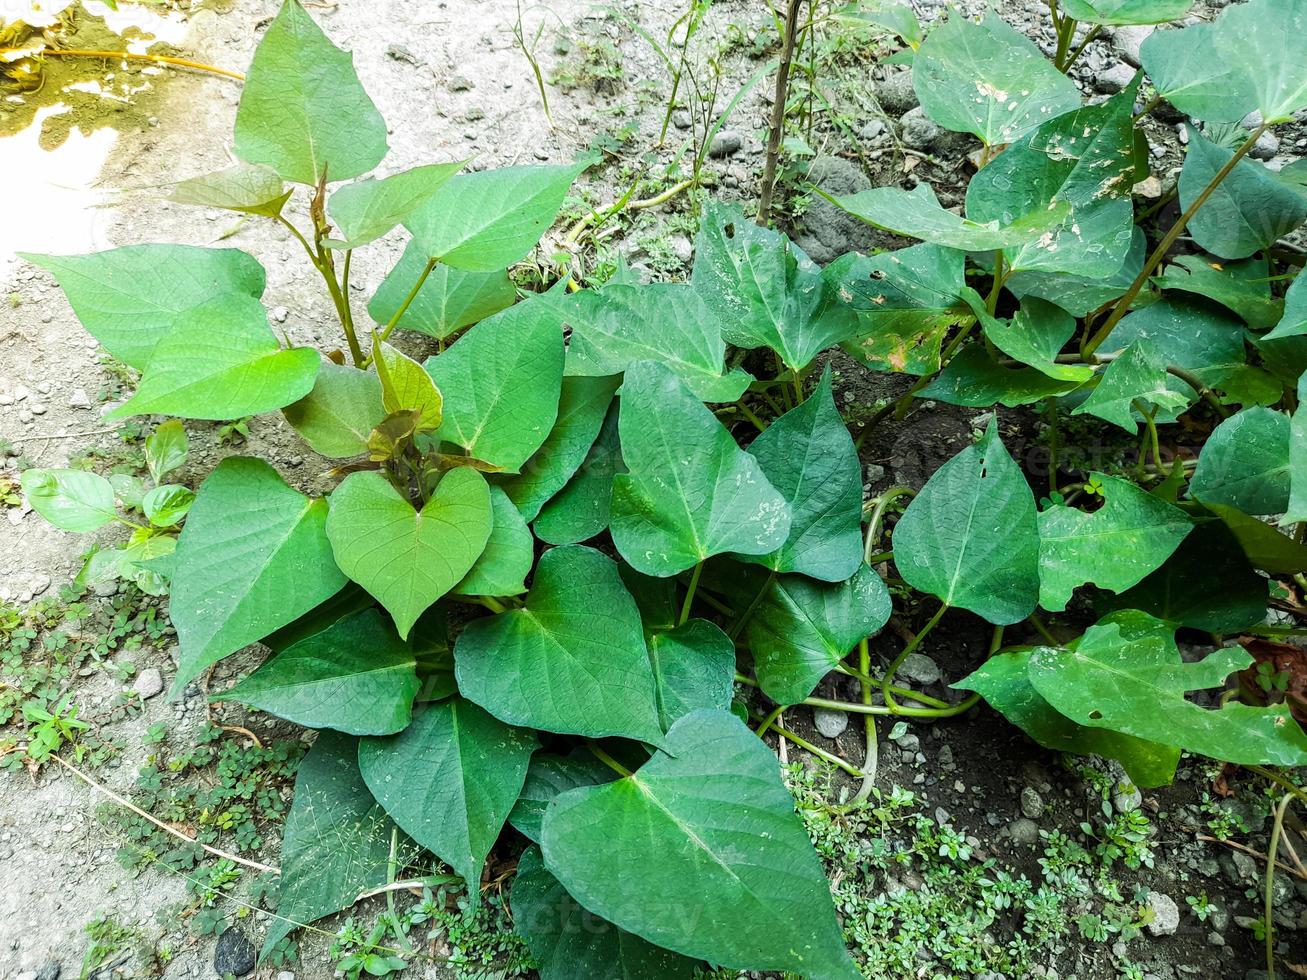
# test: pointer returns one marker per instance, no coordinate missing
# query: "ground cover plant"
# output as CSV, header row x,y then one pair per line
x,y
559,546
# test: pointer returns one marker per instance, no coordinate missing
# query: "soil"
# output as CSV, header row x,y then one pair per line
x,y
84,173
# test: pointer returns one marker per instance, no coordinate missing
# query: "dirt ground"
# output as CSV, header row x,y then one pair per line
x,y
84,172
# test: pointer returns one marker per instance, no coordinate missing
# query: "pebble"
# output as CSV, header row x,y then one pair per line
x,y
725,143
1127,41
234,954
1113,79
459,83
79,399
1267,145
920,668
38,408
149,684
871,129
285,975
1032,806
1126,798
918,130
681,119
1024,831
50,971
830,723
1214,938
280,314
1166,914
896,94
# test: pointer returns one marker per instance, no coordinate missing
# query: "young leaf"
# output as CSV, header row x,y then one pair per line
x,y
572,661
809,457
336,843
1003,681
504,565
407,387
616,326
72,500
302,110
449,300
1249,210
253,557
501,382
250,188
691,492
1245,463
801,629
1118,12
339,414
917,214
550,775
165,506
582,407
712,826
129,298
222,362
694,667
1114,547
449,780
974,379
486,221
406,558
971,538
366,209
568,941
583,507
166,449
989,80
765,290
1221,71
1138,375
1035,336
1126,674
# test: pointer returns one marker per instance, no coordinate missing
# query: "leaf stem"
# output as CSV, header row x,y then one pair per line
x,y
607,759
780,98
689,593
1155,259
393,322
1268,907
908,648
157,59
871,761
740,622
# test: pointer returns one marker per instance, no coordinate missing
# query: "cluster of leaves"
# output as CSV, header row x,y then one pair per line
x,y
568,439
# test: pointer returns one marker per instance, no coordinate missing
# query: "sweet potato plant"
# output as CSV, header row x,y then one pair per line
x,y
556,547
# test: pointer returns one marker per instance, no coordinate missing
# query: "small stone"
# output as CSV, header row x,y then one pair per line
x,y
1114,78
896,94
1267,145
871,129
682,248
38,408
1127,41
285,975
918,130
459,83
79,399
920,668
1214,938
1166,914
234,954
1032,806
1245,867
21,393
725,143
681,119
1024,831
945,757
400,53
1126,798
830,723
50,971
1150,188
280,314
149,684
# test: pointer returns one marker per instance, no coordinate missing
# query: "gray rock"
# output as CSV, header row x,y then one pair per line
x,y
50,971
919,131
79,399
1166,914
1267,145
1219,918
1126,798
1214,938
1114,78
725,143
871,129
285,975
682,248
149,684
828,231
234,954
681,119
1024,831
896,94
1032,806
1127,40
459,83
920,668
830,723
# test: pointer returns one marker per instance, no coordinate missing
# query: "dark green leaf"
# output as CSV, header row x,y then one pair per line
x,y
1245,463
550,775
1243,287
504,565
1137,377
581,509
694,667
974,379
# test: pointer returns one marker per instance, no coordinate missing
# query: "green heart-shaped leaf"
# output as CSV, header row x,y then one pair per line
x,y
339,414
1245,463
72,500
367,209
504,565
1117,12
582,508
975,379
550,775
249,188
694,667
449,299
1138,376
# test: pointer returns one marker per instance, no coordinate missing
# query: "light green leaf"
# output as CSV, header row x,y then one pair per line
x,y
250,188
253,557
339,414
550,775
1221,71
1296,509
1116,12
1249,210
302,110
809,457
336,844
896,16
501,383
988,80
582,508
1114,547
1035,336
129,298
1137,375
356,676
406,386
1126,674
222,362
166,505
406,558
72,500
166,448
449,299
1003,682
582,407
567,941
1080,295
503,566
449,780
974,379
801,629
711,826
486,221
616,326
366,209
765,290
971,537
572,661
691,492
1245,463
1243,287
917,214
693,666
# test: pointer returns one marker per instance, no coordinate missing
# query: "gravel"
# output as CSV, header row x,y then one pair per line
x,y
920,668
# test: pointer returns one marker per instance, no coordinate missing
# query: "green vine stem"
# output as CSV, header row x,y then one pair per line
x,y
807,746
908,648
1273,853
690,590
